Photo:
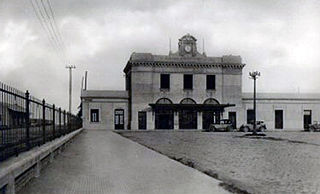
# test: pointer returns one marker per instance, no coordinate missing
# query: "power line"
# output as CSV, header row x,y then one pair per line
x,y
61,39
42,20
55,23
44,27
49,29
51,24
53,30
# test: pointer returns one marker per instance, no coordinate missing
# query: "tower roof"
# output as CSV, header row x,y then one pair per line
x,y
188,37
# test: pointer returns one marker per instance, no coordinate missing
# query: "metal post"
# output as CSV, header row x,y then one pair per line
x,y
59,122
70,89
64,122
254,106
69,122
254,75
53,121
27,118
44,121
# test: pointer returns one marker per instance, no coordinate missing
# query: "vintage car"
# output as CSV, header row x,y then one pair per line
x,y
315,127
260,126
225,125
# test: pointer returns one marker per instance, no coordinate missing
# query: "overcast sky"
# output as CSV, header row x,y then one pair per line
x,y
280,38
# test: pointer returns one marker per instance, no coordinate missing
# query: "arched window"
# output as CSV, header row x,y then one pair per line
x,y
188,101
211,101
164,101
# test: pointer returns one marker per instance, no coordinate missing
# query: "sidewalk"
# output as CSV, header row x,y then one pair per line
x,y
105,162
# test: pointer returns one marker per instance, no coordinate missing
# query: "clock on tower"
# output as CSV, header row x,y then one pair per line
x,y
187,46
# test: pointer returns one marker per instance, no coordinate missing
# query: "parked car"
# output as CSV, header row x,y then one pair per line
x,y
315,127
260,126
225,125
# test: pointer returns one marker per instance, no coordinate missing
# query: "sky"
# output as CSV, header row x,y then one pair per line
x,y
279,38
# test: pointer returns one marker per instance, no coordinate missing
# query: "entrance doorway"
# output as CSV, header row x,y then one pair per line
x,y
279,119
307,118
233,119
250,116
164,119
188,119
142,120
119,119
210,117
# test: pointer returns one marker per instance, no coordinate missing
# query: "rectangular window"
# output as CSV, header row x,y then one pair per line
x,y
187,81
94,115
165,81
211,82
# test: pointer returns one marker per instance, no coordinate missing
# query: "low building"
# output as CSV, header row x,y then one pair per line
x,y
189,90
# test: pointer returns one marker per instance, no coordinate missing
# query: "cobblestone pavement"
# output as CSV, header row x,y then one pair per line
x,y
105,162
281,162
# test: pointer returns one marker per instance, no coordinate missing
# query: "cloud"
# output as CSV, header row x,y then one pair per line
x,y
279,38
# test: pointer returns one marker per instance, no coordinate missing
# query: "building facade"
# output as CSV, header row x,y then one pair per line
x,y
189,90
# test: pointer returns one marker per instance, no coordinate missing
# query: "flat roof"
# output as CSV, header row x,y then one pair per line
x,y
105,94
282,96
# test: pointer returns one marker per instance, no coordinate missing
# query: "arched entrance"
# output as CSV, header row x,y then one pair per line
x,y
164,117
188,117
210,116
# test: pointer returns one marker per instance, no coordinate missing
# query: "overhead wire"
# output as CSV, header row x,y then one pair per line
x,y
57,29
55,23
49,28
53,28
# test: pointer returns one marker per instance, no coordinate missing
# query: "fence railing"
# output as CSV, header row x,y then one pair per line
x,y
26,122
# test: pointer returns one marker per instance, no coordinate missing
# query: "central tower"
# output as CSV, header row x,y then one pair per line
x,y
188,46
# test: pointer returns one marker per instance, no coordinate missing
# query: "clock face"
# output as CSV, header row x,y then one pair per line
x,y
187,48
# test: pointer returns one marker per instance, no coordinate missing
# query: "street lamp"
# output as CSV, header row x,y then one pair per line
x,y
254,75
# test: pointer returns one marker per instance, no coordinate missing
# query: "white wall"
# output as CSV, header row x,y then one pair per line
x,y
106,112
292,112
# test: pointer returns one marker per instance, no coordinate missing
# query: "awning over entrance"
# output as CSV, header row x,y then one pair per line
x,y
196,107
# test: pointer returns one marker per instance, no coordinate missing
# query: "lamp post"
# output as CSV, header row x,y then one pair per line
x,y
254,75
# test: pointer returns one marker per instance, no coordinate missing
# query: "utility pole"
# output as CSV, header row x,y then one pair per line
x,y
70,67
254,75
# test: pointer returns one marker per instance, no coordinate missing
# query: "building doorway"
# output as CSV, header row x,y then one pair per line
x,y
142,120
210,117
188,119
119,119
307,118
164,116
233,119
278,119
164,119
250,116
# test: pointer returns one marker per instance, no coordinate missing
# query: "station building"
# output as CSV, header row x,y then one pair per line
x,y
189,90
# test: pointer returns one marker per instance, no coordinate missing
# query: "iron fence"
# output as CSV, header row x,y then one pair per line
x,y
26,122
